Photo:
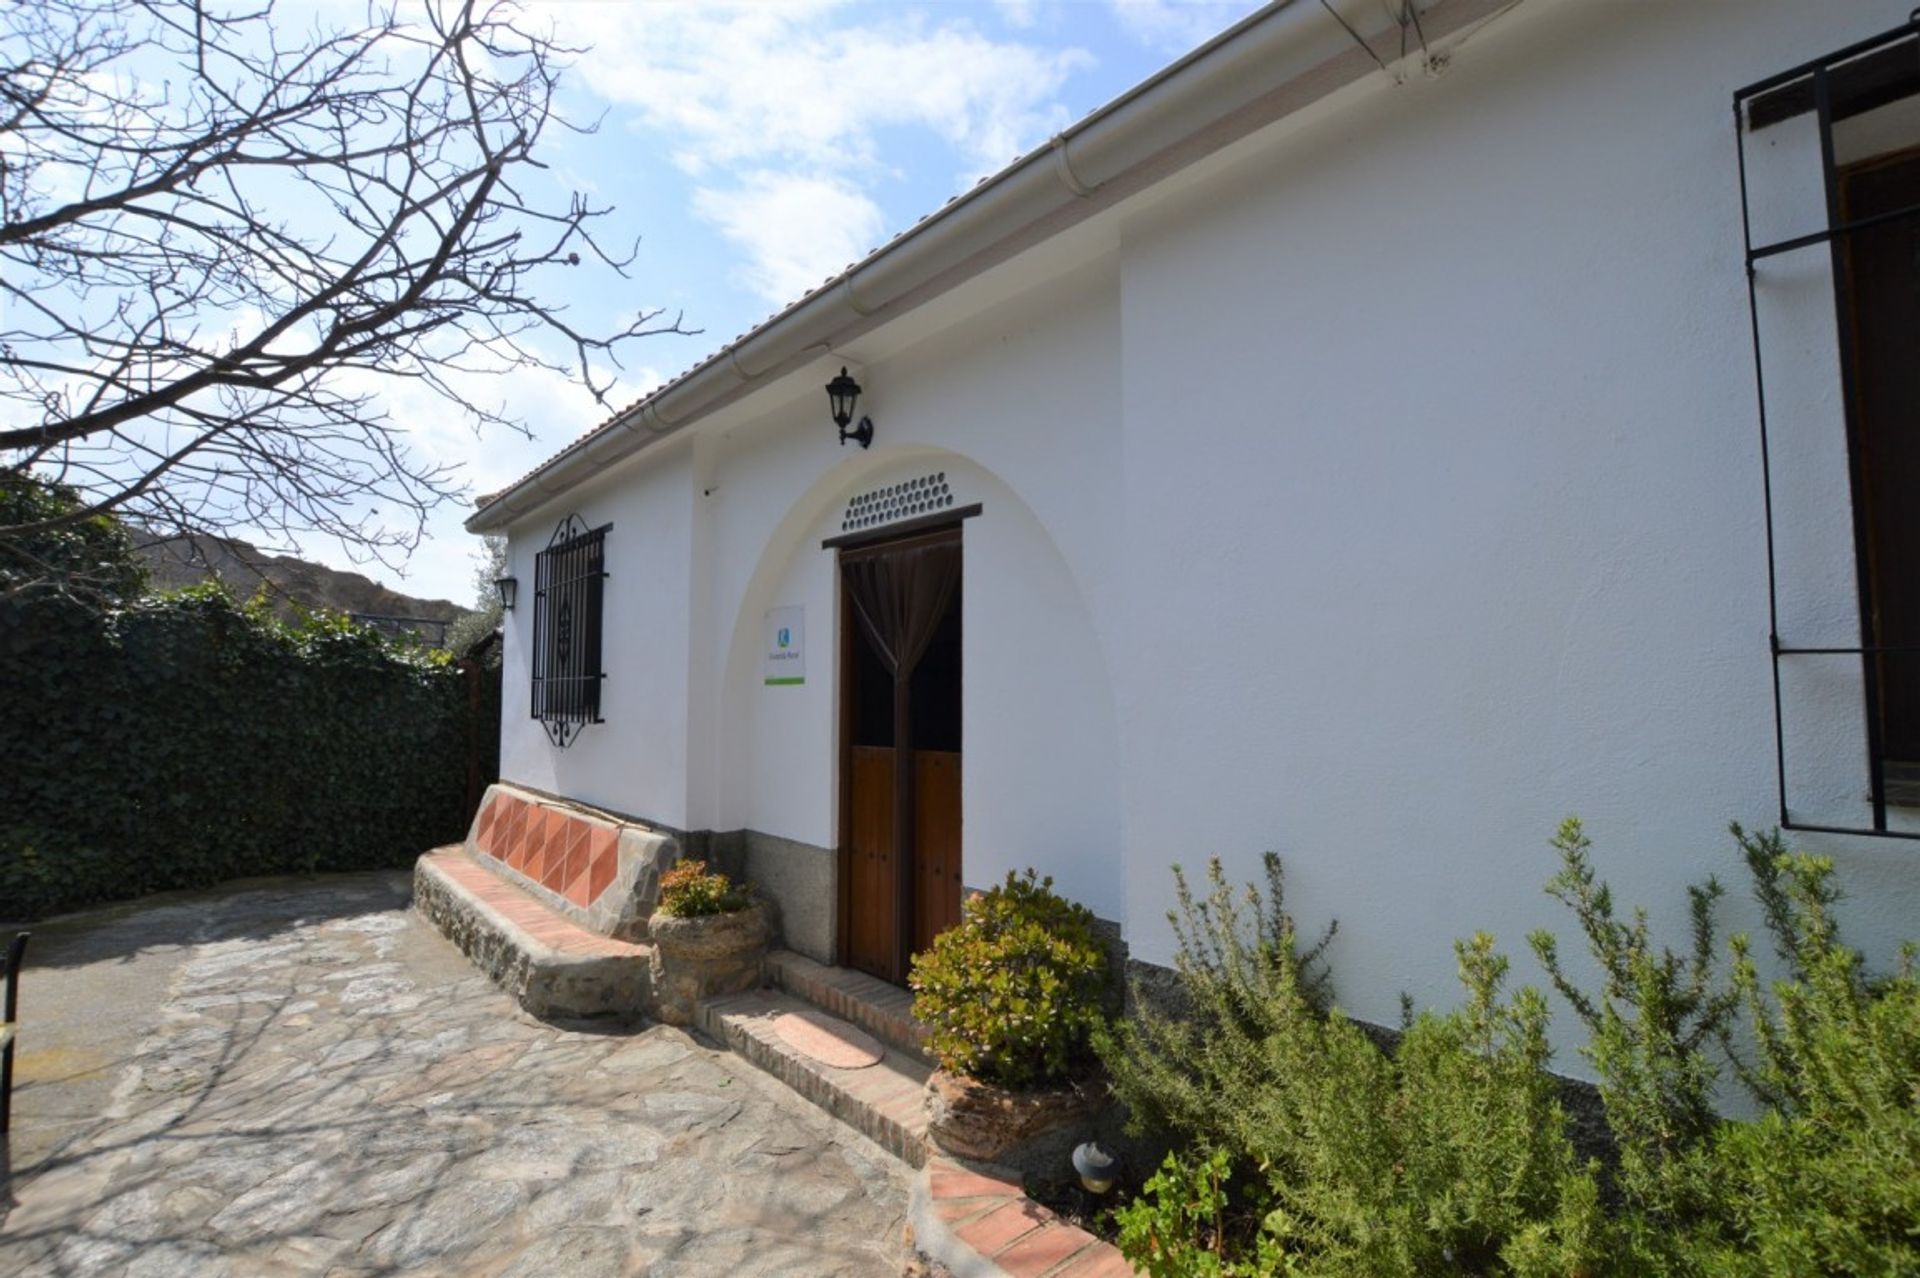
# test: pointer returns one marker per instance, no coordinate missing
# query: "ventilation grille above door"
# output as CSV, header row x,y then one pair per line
x,y
908,499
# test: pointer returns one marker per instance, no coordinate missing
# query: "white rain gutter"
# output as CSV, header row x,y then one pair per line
x,y
1275,62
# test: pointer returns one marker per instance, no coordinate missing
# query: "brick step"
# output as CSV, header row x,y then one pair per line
x,y
976,1221
884,1100
882,1010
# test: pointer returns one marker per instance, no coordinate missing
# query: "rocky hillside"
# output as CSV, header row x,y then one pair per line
x,y
293,583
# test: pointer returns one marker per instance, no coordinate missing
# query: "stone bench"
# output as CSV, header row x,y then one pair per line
x,y
552,965
591,866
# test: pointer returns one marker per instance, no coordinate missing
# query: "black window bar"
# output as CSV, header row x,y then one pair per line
x,y
569,579
1848,82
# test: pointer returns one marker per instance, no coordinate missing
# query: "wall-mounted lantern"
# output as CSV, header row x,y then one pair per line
x,y
507,586
843,393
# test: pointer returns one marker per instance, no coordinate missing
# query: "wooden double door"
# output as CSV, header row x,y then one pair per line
x,y
900,764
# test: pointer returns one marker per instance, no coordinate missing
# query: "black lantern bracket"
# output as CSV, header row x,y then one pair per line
x,y
843,396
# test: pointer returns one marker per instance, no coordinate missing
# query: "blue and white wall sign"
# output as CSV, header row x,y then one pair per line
x,y
786,646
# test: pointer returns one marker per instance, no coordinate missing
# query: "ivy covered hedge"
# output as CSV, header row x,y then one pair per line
x,y
174,741
185,739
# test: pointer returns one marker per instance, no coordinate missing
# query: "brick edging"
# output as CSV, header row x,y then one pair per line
x,y
978,1223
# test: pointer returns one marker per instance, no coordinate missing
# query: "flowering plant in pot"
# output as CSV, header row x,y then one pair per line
x,y
1009,998
709,938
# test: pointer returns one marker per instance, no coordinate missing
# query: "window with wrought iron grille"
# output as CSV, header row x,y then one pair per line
x,y
1830,189
569,589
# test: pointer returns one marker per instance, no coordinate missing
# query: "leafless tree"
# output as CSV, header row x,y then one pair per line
x,y
220,229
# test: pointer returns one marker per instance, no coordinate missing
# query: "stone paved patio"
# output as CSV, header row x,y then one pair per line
x,y
315,1082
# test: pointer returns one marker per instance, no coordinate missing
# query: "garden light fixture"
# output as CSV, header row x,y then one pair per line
x,y
507,586
1095,1167
843,393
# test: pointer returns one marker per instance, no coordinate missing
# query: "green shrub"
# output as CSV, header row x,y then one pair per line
x,y
1011,994
90,560
1307,1143
690,891
1827,1179
1247,991
1184,1224
1305,1148
1650,1030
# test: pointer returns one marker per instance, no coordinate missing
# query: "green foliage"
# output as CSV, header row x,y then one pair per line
x,y
470,628
1184,1224
180,740
1827,1180
1649,1027
91,559
1471,1165
1247,990
1343,1158
1011,994
690,891
1303,1148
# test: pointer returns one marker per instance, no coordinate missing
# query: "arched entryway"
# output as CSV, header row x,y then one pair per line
x,y
1034,766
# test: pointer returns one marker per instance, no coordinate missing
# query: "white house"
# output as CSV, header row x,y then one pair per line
x,y
1317,449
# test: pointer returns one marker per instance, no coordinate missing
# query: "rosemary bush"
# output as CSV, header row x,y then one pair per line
x,y
1307,1148
1649,1027
1827,1179
1303,1147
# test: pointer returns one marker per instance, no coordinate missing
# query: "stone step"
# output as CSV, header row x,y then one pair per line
x,y
883,1100
882,1010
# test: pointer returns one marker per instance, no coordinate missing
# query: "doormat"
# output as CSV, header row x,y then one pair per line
x,y
829,1041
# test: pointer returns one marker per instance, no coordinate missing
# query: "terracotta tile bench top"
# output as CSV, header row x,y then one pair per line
x,y
548,927
977,1222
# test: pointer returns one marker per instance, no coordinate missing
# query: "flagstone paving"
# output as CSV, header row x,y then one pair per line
x,y
320,1084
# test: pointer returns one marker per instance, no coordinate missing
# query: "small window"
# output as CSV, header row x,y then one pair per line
x,y
1830,180
569,579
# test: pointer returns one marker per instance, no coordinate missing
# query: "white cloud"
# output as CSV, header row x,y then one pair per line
x,y
776,112
797,230
1018,13
753,82
1177,26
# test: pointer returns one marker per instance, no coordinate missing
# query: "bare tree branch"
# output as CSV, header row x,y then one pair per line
x,y
210,235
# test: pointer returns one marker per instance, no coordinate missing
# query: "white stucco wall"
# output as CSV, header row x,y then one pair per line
x,y
636,762
1379,498
1038,789
1451,523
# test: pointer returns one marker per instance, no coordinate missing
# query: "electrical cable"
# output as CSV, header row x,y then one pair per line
x,y
1413,7
1328,6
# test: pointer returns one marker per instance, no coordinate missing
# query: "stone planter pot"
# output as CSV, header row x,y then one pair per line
x,y
703,958
975,1120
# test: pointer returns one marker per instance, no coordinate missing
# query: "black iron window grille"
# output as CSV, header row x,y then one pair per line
x,y
1829,160
569,586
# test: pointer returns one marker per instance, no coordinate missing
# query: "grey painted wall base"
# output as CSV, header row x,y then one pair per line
x,y
802,880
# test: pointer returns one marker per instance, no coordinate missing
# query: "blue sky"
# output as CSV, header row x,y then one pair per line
x,y
757,148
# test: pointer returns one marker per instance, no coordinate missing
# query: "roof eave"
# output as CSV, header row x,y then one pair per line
x,y
1270,65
